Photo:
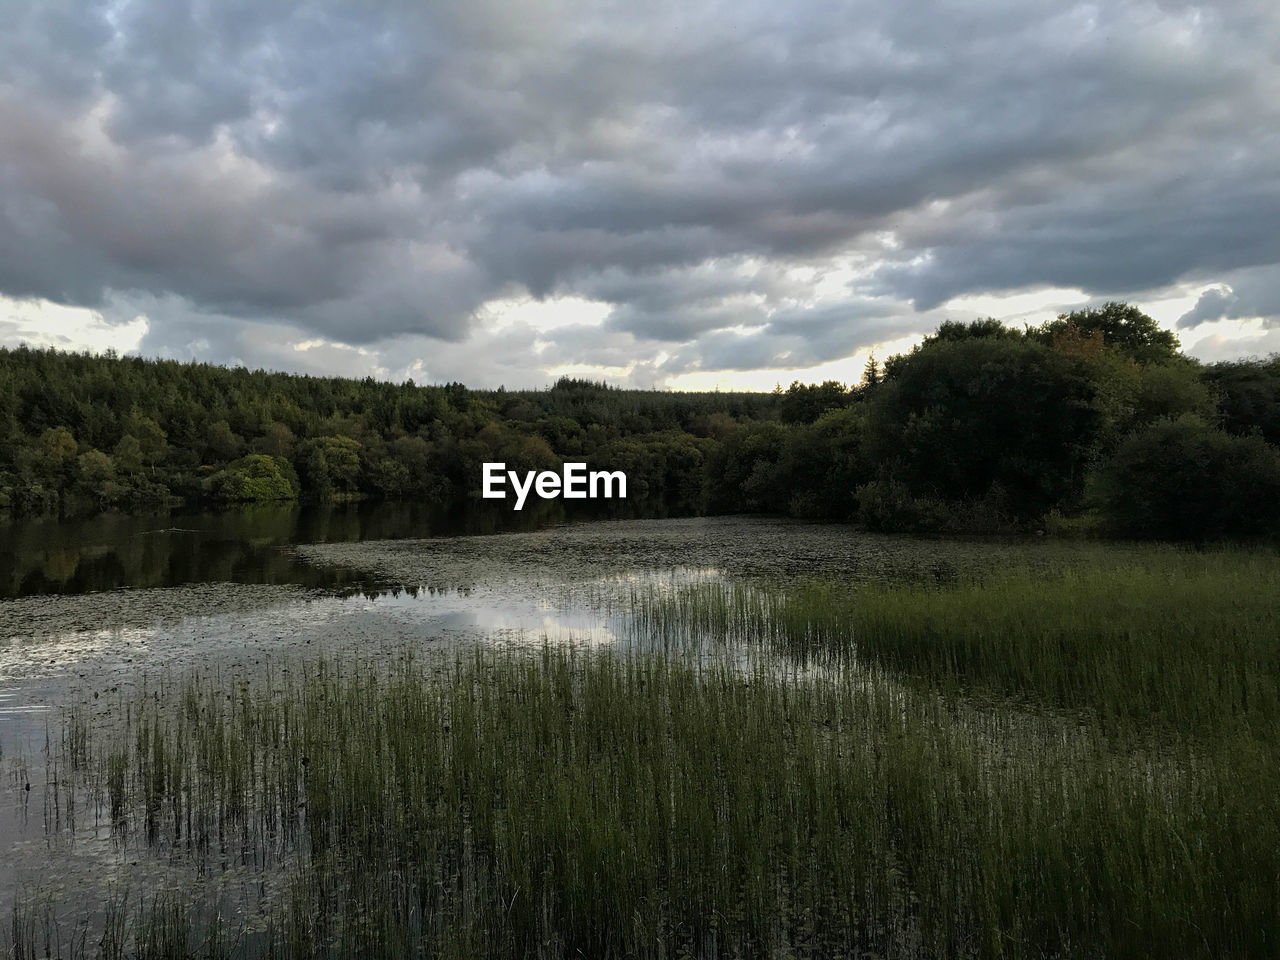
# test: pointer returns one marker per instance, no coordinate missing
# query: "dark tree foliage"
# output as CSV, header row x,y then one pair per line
x,y
870,374
87,432
744,473
951,331
1248,394
805,403
824,463
1184,479
980,428
1123,327
990,416
254,479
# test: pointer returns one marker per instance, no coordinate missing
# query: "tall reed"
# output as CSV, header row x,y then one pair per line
x,y
570,804
1190,645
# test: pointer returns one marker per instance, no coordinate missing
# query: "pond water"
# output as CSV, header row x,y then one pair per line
x,y
249,545
91,613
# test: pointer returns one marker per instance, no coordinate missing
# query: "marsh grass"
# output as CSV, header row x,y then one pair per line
x,y
1185,642
573,804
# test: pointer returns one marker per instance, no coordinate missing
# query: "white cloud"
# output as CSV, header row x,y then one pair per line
x,y
41,323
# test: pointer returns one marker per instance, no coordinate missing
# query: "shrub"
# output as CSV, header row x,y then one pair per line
x,y
252,479
1184,479
1086,526
889,506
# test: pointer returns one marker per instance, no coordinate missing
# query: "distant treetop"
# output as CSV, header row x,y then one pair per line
x,y
1124,328
581,386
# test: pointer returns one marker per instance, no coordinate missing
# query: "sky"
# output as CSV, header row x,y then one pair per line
x,y
687,195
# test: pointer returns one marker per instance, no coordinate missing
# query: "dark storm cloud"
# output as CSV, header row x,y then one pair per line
x,y
365,172
1107,238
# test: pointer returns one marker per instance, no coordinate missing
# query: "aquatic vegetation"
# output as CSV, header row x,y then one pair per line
x,y
1074,757
1189,641
575,804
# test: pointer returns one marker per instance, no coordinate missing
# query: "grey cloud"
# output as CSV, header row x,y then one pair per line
x,y
726,350
1212,305
372,173
1223,347
799,338
838,330
1107,239
1246,295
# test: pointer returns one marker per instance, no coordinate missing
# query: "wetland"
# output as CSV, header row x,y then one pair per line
x,y
375,732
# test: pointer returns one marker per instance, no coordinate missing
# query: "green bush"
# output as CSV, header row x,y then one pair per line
x,y
252,479
1086,526
1184,479
959,416
889,506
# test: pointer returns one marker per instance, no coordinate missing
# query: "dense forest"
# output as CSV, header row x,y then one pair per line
x,y
1094,423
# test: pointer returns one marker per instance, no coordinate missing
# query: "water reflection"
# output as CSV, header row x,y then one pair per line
x,y
75,654
52,556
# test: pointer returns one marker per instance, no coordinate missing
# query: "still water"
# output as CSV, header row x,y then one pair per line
x,y
249,545
86,606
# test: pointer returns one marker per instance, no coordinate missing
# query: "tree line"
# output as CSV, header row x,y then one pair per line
x,y
1092,423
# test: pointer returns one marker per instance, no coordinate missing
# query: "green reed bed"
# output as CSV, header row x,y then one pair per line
x,y
1189,642
568,804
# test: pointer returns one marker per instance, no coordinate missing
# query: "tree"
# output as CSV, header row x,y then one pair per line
x,y
252,479
313,471
57,457
742,473
870,372
390,477
1169,390
277,441
953,331
151,439
97,477
1124,328
805,403
1184,479
342,456
128,455
59,445
966,419
221,443
823,462
96,467
1248,393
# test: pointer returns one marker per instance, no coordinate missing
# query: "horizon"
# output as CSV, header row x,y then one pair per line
x,y
111,352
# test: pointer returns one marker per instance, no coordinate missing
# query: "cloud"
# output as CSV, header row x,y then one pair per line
x,y
1245,294
1214,304
39,324
376,176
